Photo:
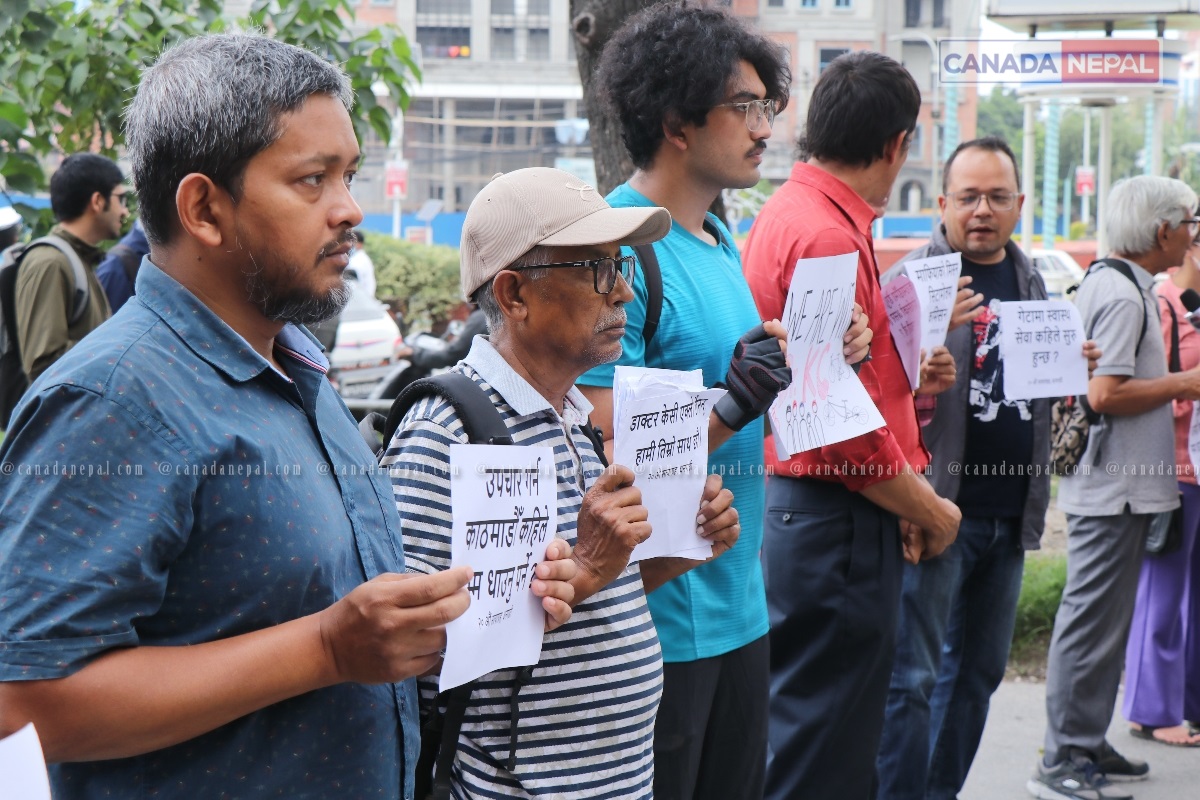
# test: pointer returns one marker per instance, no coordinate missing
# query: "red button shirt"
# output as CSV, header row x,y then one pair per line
x,y
811,216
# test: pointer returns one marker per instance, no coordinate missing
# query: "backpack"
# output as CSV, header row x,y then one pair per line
x,y
483,425
1071,418
13,380
654,286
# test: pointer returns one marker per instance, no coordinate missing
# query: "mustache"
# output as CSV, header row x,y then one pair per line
x,y
758,148
614,320
327,248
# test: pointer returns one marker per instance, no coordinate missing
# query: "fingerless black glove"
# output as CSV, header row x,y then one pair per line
x,y
757,374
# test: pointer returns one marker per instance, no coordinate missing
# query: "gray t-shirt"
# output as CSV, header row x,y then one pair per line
x,y
1130,460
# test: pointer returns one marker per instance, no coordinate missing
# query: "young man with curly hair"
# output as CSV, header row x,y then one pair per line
x,y
696,93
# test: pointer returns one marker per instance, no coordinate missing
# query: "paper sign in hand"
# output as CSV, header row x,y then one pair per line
x,y
23,766
1041,345
661,433
505,512
905,318
826,402
936,281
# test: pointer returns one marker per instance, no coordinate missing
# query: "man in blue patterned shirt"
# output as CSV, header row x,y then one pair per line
x,y
203,591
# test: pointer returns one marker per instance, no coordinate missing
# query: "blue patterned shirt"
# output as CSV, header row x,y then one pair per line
x,y
164,486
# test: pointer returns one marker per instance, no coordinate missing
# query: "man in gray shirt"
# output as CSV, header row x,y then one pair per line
x,y
1123,480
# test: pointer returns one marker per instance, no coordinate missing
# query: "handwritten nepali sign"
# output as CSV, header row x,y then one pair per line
x,y
23,766
505,512
826,402
935,284
904,313
660,423
1041,344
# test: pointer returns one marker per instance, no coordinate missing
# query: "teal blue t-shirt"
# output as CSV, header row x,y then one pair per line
x,y
707,306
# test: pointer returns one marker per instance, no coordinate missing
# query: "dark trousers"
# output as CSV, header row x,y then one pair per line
x,y
710,736
833,567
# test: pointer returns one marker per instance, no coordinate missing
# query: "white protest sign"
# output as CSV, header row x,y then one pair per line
x,y
1041,345
936,281
826,402
23,766
904,313
505,503
1194,438
661,433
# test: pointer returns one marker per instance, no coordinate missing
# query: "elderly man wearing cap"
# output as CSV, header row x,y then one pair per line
x,y
541,256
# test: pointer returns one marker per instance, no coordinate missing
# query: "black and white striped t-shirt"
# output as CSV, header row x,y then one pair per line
x,y
586,722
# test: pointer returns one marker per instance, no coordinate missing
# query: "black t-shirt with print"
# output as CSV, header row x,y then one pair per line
x,y
999,445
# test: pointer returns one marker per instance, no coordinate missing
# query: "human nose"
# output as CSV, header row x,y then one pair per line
x,y
621,291
345,210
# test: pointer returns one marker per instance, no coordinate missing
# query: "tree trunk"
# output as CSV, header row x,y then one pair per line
x,y
593,23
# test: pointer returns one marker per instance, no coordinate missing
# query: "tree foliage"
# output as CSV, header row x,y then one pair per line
x,y
67,72
420,282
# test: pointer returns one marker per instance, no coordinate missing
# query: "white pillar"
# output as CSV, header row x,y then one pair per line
x,y
1085,200
1103,179
1156,136
1028,169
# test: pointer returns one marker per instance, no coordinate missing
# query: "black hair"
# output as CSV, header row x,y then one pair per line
x,y
861,101
672,63
78,178
991,143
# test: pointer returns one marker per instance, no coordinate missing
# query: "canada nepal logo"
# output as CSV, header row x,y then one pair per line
x,y
1049,62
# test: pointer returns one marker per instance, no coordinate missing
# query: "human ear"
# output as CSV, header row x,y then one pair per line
x,y
205,210
509,290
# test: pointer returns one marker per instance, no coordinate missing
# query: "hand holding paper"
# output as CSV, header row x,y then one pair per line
x,y
758,372
552,583
612,522
392,627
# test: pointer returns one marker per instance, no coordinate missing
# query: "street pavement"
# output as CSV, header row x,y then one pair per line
x,y
1012,742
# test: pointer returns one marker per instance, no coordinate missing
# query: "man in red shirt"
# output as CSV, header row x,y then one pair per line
x,y
832,550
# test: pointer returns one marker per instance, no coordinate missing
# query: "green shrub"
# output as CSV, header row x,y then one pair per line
x,y
1041,591
1078,230
419,281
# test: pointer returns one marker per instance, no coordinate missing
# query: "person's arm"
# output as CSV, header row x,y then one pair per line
x,y
130,701
612,521
910,497
1121,395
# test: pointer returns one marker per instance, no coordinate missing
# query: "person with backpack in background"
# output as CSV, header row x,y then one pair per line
x,y
696,94
1123,484
117,273
541,256
87,195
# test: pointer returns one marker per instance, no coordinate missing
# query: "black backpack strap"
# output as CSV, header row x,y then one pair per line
x,y
596,436
479,417
439,744
654,289
1173,359
1123,268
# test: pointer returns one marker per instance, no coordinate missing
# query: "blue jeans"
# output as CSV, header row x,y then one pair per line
x,y
956,623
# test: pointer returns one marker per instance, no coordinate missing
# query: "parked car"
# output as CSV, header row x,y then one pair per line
x,y
366,346
1058,270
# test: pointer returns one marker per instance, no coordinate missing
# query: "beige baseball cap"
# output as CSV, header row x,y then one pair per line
x,y
542,206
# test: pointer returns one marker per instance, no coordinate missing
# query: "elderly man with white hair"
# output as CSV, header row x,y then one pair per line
x,y
1125,479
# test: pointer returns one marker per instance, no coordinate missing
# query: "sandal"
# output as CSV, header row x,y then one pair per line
x,y
1148,732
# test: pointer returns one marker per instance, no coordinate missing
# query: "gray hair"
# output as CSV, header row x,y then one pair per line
x,y
486,299
209,105
1138,206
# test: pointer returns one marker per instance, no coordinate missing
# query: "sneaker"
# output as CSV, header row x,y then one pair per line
x,y
1076,778
1117,767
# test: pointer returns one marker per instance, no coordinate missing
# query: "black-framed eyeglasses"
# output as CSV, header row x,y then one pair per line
x,y
604,270
969,201
756,112
124,198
